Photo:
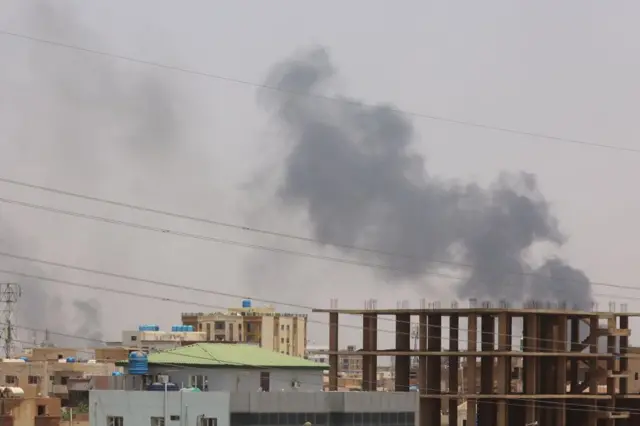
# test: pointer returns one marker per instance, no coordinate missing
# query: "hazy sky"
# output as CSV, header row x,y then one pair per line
x,y
201,146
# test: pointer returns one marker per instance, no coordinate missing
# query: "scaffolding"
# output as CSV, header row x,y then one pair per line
x,y
552,351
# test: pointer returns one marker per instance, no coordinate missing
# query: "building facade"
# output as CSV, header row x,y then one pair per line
x,y
124,408
285,333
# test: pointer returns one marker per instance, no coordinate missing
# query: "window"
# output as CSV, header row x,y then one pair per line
x,y
264,380
282,340
208,421
134,338
199,382
11,380
157,421
219,325
282,327
174,418
33,380
42,410
637,375
63,380
115,421
287,327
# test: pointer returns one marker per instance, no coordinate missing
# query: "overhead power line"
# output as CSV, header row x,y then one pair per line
x,y
180,287
273,249
458,122
576,407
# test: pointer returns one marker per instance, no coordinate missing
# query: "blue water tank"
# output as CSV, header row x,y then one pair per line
x,y
189,328
246,303
24,358
138,363
116,373
71,359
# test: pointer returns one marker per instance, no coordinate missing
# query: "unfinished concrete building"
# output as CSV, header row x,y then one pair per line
x,y
552,352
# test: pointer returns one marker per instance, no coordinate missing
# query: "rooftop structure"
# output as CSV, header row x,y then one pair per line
x,y
228,367
553,350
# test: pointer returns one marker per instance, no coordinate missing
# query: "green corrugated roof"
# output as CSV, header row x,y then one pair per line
x,y
229,355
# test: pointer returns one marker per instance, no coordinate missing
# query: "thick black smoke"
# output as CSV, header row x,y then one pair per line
x,y
352,168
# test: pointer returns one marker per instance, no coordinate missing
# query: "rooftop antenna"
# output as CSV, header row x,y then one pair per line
x,y
9,295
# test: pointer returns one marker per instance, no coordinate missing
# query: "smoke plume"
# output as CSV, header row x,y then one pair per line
x,y
89,123
352,168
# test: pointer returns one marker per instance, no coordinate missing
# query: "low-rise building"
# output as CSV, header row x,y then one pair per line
x,y
285,333
25,407
233,368
53,371
120,408
150,337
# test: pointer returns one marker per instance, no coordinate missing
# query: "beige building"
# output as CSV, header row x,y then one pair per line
x,y
263,326
48,370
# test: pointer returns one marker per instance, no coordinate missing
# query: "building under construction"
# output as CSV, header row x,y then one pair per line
x,y
556,344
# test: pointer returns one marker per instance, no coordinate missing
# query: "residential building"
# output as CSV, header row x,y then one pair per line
x,y
24,407
152,338
234,367
54,372
285,333
121,408
317,354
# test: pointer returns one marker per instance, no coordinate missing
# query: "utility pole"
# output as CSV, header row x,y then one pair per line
x,y
9,295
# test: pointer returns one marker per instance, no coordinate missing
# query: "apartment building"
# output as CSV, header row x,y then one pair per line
x,y
285,333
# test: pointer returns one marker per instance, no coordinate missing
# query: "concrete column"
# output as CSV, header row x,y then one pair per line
x,y
504,366
624,350
333,348
373,346
575,347
593,348
560,346
454,360
366,347
530,343
422,359
434,367
471,382
403,343
487,408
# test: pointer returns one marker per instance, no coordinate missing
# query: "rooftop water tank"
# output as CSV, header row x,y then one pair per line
x,y
116,373
246,303
148,327
189,328
138,363
71,359
24,358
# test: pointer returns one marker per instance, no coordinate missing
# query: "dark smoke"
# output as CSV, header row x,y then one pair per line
x,y
352,168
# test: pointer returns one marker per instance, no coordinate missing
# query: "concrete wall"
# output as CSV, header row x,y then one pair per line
x,y
137,408
258,408
244,380
324,402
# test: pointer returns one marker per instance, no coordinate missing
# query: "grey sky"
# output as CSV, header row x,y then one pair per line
x,y
568,69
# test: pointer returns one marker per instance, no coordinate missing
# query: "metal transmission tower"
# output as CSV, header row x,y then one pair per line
x,y
9,295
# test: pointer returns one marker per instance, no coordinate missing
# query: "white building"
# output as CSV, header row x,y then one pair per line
x,y
235,368
130,408
187,408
